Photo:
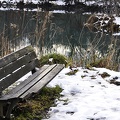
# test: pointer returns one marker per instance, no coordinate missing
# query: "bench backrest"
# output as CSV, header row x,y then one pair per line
x,y
16,65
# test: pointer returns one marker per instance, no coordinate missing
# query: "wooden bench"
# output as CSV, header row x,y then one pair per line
x,y
12,68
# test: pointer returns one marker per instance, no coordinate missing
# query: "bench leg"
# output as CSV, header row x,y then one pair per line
x,y
1,109
10,107
33,71
6,108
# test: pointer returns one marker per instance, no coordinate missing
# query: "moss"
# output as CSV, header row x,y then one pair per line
x,y
104,75
56,59
37,106
82,76
72,72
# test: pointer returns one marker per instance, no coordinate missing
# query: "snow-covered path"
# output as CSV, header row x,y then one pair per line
x,y
86,96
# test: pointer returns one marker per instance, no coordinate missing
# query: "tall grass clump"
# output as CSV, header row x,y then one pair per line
x,y
107,60
94,55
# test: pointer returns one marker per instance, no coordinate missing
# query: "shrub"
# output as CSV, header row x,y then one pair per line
x,y
104,63
100,63
104,75
53,59
73,72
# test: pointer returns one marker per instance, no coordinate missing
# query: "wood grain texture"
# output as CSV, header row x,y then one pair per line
x,y
15,55
8,69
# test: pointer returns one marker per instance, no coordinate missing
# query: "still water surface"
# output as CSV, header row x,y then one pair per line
x,y
49,32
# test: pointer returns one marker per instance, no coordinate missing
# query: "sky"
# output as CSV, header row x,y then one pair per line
x,y
86,95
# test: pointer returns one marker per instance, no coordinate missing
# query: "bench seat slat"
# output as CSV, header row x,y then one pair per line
x,y
17,64
13,56
32,80
43,82
17,75
25,82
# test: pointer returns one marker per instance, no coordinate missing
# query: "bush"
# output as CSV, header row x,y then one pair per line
x,y
104,63
100,63
53,59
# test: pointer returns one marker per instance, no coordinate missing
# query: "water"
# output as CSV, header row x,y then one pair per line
x,y
49,32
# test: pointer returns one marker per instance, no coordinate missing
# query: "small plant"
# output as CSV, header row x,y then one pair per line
x,y
82,76
99,63
103,63
115,82
72,72
93,77
53,59
104,75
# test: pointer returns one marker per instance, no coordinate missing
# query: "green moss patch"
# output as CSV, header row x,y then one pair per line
x,y
53,59
37,107
72,72
104,75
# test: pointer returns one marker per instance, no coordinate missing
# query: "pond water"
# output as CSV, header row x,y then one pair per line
x,y
49,32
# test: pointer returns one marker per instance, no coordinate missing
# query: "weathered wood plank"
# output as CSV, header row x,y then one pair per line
x,y
25,82
31,83
1,108
15,55
17,75
17,64
43,82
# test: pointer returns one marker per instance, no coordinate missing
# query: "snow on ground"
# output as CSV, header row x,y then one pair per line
x,y
59,2
86,96
117,20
